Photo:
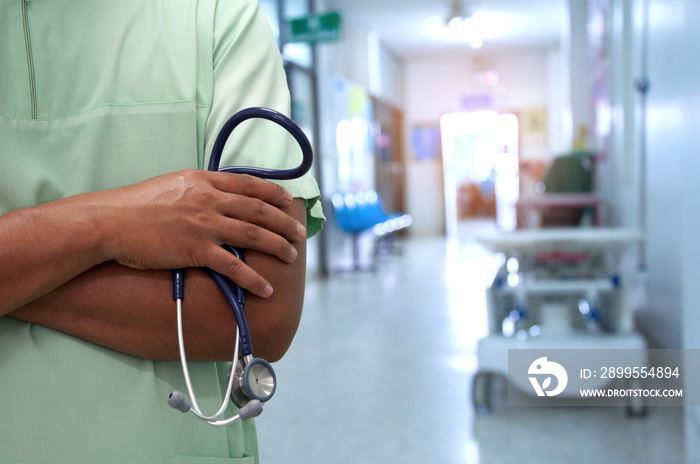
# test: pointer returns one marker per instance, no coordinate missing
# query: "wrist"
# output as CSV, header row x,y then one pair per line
x,y
84,225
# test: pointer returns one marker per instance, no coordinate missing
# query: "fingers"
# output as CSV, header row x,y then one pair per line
x,y
252,200
237,271
253,187
193,213
256,222
242,234
254,214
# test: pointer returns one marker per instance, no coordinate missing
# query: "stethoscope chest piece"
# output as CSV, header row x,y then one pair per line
x,y
253,380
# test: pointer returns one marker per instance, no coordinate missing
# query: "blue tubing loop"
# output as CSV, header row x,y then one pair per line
x,y
233,293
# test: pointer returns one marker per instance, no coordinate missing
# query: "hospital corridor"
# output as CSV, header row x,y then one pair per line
x,y
535,163
381,372
350,232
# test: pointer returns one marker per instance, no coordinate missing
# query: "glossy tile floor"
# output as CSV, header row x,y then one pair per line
x,y
380,372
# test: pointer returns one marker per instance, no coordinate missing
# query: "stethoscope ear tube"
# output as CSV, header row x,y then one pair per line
x,y
275,174
237,308
254,378
234,294
265,173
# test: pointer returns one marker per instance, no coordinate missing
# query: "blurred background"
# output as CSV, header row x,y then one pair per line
x,y
473,155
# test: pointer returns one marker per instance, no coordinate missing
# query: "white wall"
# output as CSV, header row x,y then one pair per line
x,y
672,190
673,187
668,316
437,85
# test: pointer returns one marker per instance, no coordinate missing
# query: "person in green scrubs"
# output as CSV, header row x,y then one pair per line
x,y
108,112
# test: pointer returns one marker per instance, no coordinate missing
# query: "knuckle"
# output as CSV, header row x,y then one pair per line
x,y
190,175
203,196
200,224
248,182
235,267
198,195
189,172
253,232
258,207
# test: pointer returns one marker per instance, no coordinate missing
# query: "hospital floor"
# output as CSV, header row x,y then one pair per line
x,y
380,372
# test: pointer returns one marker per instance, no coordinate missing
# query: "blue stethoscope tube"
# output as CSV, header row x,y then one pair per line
x,y
279,119
234,294
235,297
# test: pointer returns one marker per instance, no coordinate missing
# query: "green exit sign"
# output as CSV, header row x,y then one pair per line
x,y
315,28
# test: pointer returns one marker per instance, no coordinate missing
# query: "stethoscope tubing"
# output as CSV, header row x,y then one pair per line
x,y
237,308
234,294
264,173
235,297
194,409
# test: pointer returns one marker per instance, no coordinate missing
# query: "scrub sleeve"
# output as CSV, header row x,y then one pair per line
x,y
95,95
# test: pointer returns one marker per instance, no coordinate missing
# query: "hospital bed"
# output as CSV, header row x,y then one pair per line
x,y
557,289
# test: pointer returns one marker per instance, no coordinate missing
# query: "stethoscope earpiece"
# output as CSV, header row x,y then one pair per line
x,y
177,400
253,381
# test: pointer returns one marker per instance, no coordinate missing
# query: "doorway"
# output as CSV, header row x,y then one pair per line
x,y
480,168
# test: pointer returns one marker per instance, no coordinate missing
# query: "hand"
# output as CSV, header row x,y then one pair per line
x,y
181,220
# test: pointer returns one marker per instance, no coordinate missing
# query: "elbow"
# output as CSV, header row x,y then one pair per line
x,y
272,327
210,326
274,321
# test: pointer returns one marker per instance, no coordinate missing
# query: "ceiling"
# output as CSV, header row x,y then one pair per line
x,y
413,28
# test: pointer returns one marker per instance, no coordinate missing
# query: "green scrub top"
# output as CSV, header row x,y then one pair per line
x,y
96,95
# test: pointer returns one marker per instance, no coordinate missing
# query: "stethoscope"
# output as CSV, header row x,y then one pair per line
x,y
250,381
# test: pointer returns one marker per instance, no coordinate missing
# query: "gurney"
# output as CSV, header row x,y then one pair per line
x,y
557,289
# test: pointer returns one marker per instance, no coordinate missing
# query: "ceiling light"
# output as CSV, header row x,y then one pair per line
x,y
458,11
460,22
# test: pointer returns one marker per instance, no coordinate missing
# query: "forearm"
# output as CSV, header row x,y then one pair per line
x,y
132,311
44,247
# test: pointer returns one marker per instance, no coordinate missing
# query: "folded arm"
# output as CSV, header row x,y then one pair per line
x,y
65,274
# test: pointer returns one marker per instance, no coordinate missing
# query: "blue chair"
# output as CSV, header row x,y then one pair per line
x,y
362,211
